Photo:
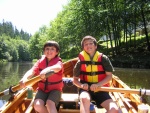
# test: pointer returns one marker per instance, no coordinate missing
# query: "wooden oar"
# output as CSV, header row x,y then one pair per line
x,y
27,83
123,90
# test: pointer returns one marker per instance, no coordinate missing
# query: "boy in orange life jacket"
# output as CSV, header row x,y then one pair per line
x,y
92,70
49,90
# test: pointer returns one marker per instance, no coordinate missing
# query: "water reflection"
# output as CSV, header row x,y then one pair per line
x,y
11,73
134,78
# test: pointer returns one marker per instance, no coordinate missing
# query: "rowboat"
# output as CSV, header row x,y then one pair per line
x,y
127,99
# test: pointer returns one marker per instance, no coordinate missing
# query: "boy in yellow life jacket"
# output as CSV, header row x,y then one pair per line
x,y
93,70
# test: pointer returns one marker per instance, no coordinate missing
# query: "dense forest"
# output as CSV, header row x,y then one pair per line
x,y
9,29
13,43
120,26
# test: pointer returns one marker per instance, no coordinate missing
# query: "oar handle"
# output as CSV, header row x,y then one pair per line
x,y
29,82
49,73
32,81
123,90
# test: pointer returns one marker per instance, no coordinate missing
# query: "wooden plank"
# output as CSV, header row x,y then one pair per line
x,y
74,111
120,103
112,96
69,111
30,107
13,105
70,63
131,108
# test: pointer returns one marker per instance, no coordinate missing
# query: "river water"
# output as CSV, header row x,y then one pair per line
x,y
11,73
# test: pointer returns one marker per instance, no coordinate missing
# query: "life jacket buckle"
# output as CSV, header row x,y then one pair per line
x,y
93,73
92,62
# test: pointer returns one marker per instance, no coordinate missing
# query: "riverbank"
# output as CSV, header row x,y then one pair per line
x,y
131,61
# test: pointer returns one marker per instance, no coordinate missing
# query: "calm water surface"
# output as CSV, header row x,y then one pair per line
x,y
11,73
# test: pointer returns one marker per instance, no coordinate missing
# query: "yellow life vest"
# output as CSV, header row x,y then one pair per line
x,y
92,70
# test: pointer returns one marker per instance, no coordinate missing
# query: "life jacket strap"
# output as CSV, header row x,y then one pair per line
x,y
89,83
91,63
51,83
92,73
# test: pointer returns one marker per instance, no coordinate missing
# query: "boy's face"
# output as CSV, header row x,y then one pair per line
x,y
89,47
50,52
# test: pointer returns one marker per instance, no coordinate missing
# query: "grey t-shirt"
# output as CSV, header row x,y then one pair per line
x,y
105,62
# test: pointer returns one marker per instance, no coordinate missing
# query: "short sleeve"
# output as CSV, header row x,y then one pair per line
x,y
35,68
76,70
107,64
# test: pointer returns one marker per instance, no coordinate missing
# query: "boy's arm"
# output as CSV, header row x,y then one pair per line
x,y
76,74
106,79
26,76
56,68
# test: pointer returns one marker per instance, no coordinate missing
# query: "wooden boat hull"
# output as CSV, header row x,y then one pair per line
x,y
128,103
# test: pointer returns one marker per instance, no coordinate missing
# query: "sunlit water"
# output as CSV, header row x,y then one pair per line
x,y
11,73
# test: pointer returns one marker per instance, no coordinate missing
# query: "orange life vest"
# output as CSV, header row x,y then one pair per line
x,y
92,70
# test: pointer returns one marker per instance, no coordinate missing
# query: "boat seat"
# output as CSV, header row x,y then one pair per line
x,y
68,101
70,98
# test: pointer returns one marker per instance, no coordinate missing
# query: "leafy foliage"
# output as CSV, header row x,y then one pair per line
x,y
14,50
8,29
117,24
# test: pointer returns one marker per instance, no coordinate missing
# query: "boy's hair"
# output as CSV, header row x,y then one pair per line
x,y
51,43
87,38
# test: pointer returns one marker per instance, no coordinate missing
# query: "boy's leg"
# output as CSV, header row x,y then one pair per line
x,y
110,106
84,102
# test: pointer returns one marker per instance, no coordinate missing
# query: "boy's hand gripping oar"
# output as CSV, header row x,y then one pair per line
x,y
29,82
123,90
